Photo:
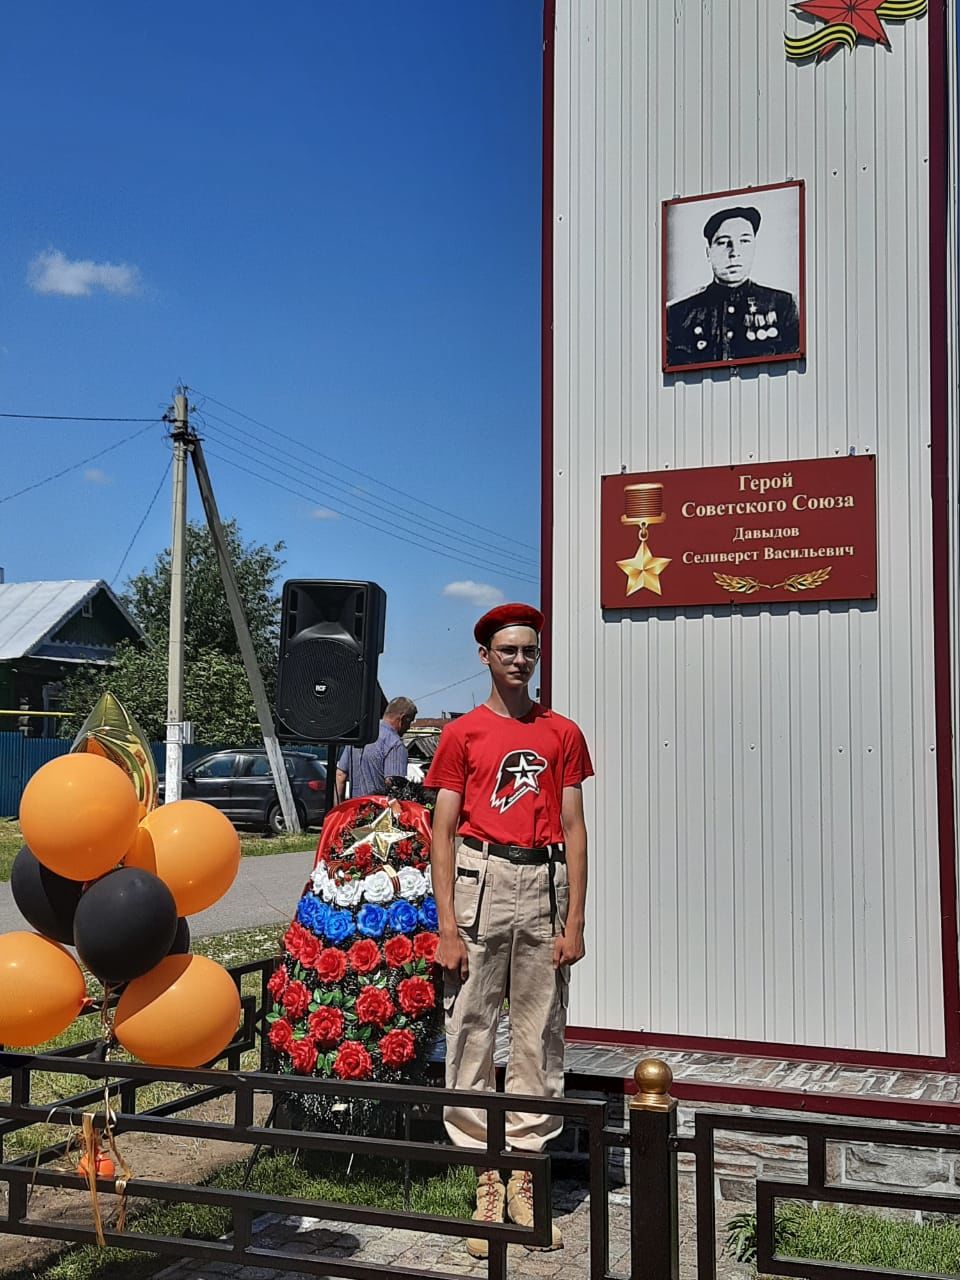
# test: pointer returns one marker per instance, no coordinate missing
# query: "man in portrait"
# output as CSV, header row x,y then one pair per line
x,y
733,317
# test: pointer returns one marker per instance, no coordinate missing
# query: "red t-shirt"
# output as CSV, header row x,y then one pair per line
x,y
510,773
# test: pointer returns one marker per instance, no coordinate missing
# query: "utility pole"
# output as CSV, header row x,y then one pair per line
x,y
264,714
180,434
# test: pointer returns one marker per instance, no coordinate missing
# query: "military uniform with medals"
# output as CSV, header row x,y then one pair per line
x,y
733,323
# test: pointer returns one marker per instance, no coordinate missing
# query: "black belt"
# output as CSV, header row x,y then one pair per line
x,y
518,854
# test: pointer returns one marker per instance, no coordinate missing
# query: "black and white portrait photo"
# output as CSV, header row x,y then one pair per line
x,y
733,277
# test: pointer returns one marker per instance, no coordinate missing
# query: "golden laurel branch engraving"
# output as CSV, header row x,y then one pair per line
x,y
806,581
796,582
732,582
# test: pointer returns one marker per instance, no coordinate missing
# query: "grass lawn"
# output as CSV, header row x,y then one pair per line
x,y
251,845
835,1234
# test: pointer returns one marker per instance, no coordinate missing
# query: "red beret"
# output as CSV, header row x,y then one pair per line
x,y
507,615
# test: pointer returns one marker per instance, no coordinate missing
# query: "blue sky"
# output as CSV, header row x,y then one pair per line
x,y
324,215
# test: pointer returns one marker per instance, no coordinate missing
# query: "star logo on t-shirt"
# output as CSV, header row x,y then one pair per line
x,y
518,777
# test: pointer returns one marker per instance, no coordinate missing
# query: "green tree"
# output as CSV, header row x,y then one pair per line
x,y
216,694
208,624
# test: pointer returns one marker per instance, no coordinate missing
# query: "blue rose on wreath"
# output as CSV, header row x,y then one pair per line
x,y
356,995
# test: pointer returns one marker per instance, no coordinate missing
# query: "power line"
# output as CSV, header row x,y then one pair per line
x,y
377,512
356,471
372,500
422,697
143,521
69,417
422,545
75,466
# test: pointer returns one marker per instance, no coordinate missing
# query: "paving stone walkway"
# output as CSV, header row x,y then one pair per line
x,y
391,1249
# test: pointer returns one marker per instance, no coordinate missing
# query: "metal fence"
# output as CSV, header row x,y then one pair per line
x,y
122,1083
650,1139
21,757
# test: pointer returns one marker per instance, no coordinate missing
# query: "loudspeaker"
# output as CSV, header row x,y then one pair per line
x,y
331,637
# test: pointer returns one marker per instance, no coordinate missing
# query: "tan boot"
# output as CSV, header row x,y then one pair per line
x,y
520,1209
490,1201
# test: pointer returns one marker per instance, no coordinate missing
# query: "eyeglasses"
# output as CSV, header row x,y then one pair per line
x,y
509,652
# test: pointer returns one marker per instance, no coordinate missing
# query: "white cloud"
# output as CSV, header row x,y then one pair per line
x,y
481,593
53,272
324,513
95,476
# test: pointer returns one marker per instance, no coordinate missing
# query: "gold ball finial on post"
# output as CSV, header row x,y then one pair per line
x,y
653,1079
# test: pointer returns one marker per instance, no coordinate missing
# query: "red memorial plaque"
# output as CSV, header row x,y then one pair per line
x,y
750,534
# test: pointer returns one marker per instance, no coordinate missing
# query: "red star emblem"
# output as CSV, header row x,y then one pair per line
x,y
859,14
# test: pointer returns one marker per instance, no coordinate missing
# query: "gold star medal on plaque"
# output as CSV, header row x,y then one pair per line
x,y
643,506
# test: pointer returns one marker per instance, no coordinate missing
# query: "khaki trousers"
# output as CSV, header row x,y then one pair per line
x,y
503,914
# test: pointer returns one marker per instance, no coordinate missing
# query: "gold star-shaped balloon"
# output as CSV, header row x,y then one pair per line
x,y
381,834
643,571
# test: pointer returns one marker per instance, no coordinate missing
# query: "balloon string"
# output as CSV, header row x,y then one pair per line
x,y
89,1158
109,1116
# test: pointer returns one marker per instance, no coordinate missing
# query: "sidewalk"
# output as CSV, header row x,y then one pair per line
x,y
266,891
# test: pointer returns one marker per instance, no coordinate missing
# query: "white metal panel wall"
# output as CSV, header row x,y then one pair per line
x,y
763,822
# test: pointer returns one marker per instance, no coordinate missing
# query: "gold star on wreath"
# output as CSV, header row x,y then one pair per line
x,y
643,571
381,834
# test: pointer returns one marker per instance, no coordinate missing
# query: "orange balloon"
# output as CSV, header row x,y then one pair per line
x,y
41,989
183,1013
78,814
194,850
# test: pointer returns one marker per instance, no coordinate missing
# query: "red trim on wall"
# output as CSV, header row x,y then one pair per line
x,y
939,138
652,1041
546,358
862,1106
940,490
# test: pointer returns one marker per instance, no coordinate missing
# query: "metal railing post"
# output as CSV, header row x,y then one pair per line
x,y
654,1236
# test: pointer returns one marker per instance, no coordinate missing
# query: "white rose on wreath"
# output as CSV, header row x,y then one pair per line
x,y
322,884
428,878
378,887
412,883
349,893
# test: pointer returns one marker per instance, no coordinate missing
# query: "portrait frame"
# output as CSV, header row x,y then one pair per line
x,y
779,263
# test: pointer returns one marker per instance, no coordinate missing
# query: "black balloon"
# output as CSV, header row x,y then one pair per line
x,y
181,941
46,900
125,924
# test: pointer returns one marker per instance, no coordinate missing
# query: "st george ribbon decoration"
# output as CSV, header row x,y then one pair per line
x,y
847,22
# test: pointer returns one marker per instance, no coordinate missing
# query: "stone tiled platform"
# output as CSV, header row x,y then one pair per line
x,y
617,1062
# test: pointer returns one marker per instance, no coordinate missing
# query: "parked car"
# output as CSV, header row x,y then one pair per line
x,y
240,784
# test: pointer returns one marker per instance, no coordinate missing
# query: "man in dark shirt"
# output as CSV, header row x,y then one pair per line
x,y
733,318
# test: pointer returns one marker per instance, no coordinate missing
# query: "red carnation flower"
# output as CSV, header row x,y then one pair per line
x,y
404,850
398,951
352,1061
331,965
375,1006
362,856
281,1035
416,995
425,946
326,1026
296,1000
303,1055
397,1047
310,949
364,956
278,982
